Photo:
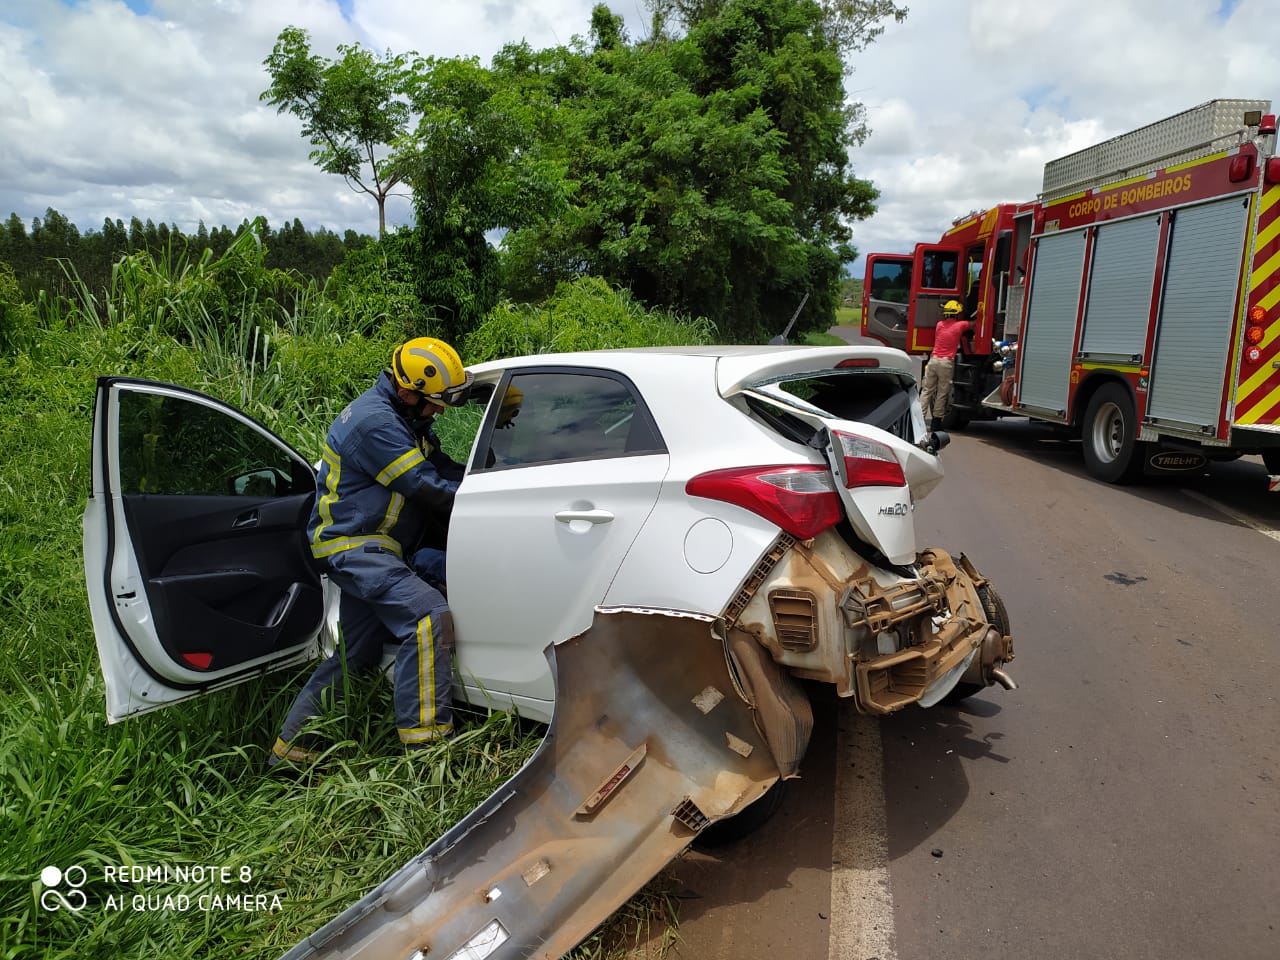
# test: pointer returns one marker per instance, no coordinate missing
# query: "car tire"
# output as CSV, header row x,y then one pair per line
x,y
1112,452
998,617
732,829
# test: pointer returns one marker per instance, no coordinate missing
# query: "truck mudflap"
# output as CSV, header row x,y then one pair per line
x,y
655,736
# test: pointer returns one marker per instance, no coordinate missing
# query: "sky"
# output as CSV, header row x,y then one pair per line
x,y
149,108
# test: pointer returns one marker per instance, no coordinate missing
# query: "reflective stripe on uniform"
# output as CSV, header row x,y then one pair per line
x,y
293,754
439,731
327,548
400,466
393,513
426,675
325,506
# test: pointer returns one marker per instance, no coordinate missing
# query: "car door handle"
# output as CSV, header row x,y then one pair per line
x,y
247,519
591,516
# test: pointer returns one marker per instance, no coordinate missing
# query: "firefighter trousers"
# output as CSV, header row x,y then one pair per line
x,y
384,601
935,387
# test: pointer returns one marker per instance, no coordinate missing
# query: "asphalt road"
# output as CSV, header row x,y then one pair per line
x,y
1124,802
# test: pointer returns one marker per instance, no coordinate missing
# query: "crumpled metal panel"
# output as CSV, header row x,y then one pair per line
x,y
652,739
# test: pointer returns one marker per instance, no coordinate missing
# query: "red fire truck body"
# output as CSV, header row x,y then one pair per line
x,y
1136,301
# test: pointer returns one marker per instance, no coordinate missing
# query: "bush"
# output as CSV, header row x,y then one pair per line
x,y
17,318
375,287
582,314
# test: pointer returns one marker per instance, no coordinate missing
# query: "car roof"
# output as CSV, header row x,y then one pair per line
x,y
736,365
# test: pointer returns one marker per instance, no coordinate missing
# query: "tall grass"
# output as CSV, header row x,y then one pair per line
x,y
188,785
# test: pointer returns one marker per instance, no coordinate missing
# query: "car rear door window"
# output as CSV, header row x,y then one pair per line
x,y
551,417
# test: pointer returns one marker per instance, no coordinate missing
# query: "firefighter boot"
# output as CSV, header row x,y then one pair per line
x,y
935,424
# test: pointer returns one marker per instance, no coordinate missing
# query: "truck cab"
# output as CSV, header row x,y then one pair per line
x,y
980,261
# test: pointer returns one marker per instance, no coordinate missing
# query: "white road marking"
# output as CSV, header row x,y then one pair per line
x,y
861,901
1262,528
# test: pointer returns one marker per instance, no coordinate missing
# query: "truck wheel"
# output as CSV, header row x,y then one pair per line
x,y
1112,452
723,832
955,419
998,617
1271,459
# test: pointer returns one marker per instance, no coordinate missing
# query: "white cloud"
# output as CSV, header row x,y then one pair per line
x,y
968,100
112,113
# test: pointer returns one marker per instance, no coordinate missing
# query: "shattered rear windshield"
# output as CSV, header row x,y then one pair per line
x,y
877,397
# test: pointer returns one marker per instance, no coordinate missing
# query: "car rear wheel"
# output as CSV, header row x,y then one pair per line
x,y
1112,452
732,829
998,617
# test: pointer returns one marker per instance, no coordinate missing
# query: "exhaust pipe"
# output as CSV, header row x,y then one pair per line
x,y
1002,678
993,660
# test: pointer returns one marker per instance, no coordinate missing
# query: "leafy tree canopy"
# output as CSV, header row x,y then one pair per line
x,y
707,172
353,109
477,162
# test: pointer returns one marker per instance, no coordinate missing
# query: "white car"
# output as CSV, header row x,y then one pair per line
x,y
771,487
648,548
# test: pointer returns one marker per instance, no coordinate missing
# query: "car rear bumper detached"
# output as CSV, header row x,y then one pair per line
x,y
885,640
654,737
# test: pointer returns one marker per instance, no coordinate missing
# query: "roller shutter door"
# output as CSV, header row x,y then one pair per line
x,y
1051,321
1193,338
1119,303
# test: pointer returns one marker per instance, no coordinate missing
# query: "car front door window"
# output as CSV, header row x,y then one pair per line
x,y
176,447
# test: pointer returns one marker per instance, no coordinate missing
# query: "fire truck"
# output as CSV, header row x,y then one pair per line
x,y
1135,302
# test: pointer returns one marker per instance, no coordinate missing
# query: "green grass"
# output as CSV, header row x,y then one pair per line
x,y
848,316
188,785
815,339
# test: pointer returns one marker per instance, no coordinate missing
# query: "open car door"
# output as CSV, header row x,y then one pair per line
x,y
886,290
195,551
936,277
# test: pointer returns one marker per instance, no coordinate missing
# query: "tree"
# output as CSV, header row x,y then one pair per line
x,y
789,54
708,172
15,245
850,25
353,109
137,238
476,163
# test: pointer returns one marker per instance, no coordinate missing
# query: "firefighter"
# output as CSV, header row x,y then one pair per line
x,y
383,488
935,389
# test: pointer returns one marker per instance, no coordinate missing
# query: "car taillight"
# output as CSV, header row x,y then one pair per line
x,y
802,500
868,463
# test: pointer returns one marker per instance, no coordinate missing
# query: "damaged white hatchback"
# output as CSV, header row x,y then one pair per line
x,y
648,556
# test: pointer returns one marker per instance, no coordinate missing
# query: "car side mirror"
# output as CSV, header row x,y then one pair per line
x,y
258,483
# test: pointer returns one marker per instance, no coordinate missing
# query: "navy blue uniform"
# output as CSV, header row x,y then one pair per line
x,y
382,484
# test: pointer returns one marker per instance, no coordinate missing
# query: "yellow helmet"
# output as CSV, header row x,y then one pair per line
x,y
510,406
952,308
432,368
